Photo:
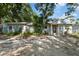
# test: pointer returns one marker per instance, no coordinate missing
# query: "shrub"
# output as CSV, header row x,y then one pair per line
x,y
12,33
37,34
26,34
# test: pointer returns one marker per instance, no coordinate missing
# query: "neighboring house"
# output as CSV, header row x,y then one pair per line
x,y
16,27
61,27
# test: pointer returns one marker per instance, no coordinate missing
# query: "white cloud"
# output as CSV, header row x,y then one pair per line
x,y
61,4
77,8
74,14
63,16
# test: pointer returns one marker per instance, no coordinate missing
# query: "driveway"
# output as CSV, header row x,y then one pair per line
x,y
40,46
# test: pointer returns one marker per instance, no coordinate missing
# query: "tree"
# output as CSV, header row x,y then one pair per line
x,y
15,12
71,8
45,10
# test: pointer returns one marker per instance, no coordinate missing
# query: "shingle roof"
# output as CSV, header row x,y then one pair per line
x,y
57,22
19,23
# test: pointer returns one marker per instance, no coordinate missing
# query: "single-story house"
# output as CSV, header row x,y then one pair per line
x,y
16,27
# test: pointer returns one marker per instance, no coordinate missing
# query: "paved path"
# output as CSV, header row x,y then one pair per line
x,y
40,46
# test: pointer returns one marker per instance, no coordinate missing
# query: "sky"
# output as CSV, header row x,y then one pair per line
x,y
59,11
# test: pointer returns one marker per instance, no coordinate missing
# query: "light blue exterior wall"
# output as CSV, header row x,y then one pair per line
x,y
15,28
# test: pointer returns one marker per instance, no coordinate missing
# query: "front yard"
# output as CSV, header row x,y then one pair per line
x,y
43,45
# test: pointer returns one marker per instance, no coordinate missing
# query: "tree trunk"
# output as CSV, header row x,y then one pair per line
x,y
25,29
44,25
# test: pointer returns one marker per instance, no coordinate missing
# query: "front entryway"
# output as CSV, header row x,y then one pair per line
x,y
54,29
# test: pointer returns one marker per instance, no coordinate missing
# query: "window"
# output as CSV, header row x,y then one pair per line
x,y
10,28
